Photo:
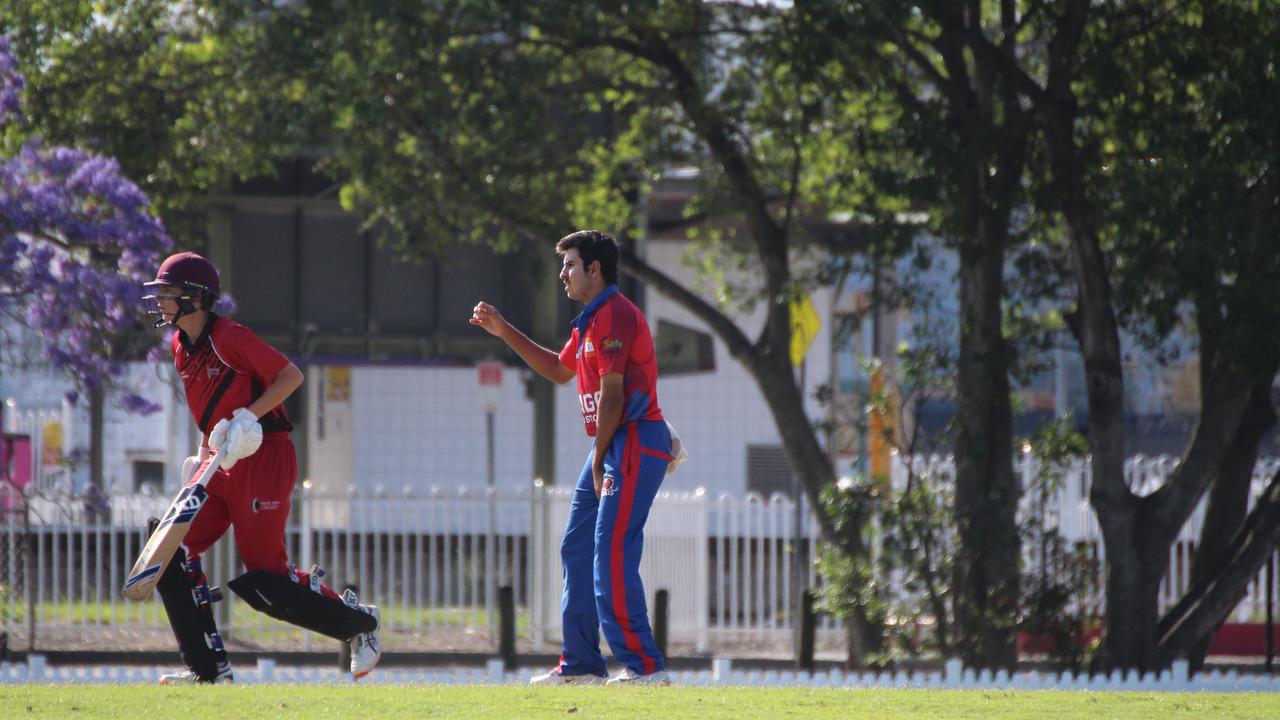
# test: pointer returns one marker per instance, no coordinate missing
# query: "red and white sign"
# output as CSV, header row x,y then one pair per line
x,y
489,372
489,375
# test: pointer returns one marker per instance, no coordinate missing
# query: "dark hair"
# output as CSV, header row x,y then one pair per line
x,y
593,245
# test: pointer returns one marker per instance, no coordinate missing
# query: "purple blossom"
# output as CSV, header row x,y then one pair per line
x,y
139,405
162,353
76,241
96,504
11,84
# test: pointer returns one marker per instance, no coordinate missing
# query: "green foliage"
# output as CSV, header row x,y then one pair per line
x,y
905,586
1062,588
178,98
1188,174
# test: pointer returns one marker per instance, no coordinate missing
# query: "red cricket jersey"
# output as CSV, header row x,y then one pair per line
x,y
611,335
226,368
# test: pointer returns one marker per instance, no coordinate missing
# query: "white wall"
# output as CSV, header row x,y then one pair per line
x,y
718,414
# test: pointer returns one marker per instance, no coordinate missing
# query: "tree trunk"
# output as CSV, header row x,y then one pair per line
x,y
1130,605
986,496
986,114
1134,570
1201,610
1229,499
96,412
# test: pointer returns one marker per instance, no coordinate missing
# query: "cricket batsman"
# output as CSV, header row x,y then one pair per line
x,y
235,385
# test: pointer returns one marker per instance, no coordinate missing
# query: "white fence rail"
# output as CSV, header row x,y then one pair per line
x,y
433,561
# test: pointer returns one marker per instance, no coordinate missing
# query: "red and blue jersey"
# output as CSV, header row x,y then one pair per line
x,y
612,336
226,368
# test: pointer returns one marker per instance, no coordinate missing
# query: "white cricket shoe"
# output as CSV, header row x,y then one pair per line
x,y
554,677
366,649
186,677
627,676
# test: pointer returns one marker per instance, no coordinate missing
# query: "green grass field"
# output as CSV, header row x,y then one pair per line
x,y
86,702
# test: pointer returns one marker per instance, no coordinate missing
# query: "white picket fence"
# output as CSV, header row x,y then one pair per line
x,y
433,561
1067,509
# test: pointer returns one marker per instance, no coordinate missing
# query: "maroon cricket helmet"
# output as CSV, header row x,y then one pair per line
x,y
188,270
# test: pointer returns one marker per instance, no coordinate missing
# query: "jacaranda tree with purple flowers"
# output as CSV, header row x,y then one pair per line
x,y
76,240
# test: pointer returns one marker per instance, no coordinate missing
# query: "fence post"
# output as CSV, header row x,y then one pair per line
x,y
1270,590
702,576
661,619
804,649
537,562
490,541
507,627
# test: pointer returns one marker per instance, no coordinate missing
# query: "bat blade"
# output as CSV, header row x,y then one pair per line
x,y
171,531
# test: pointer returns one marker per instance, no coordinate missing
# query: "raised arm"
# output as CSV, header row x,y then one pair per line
x,y
541,360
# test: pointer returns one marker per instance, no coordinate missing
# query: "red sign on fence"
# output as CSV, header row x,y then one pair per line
x,y
490,372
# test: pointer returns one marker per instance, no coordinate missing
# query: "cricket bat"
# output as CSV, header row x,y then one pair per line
x,y
169,534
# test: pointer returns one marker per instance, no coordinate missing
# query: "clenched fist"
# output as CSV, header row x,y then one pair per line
x,y
488,317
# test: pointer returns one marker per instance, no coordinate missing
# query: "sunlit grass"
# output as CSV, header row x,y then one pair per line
x,y
87,702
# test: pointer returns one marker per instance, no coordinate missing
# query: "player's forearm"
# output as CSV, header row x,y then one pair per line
x,y
541,360
608,417
289,379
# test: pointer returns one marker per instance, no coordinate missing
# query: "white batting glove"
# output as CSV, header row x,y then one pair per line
x,y
236,438
218,435
678,453
190,464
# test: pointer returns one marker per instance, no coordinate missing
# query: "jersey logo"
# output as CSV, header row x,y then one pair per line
x,y
264,505
589,349
212,371
612,346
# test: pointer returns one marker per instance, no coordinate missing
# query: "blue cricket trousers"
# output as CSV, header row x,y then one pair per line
x,y
601,555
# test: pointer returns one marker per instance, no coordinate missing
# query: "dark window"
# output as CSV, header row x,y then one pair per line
x,y
263,278
333,274
469,273
310,282
768,470
404,294
682,349
148,477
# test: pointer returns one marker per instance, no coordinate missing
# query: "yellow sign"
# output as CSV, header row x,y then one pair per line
x,y
881,427
51,440
337,383
804,327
